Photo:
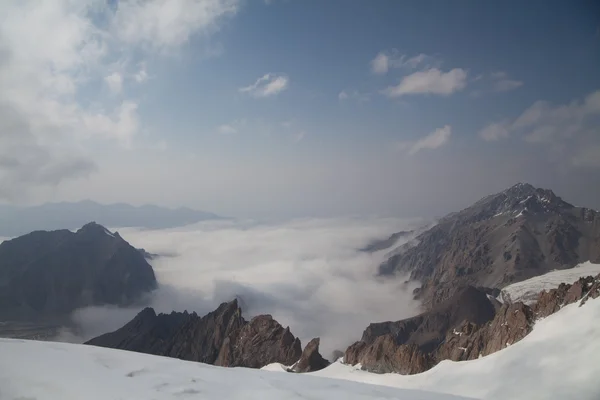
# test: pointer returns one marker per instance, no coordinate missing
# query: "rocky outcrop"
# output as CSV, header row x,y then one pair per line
x,y
50,274
222,337
389,350
503,238
310,360
260,342
408,346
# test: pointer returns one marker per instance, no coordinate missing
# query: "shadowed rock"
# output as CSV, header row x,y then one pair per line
x,y
310,360
222,337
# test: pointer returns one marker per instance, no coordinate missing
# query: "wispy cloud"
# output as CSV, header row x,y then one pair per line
x,y
353,95
572,128
227,129
384,61
495,131
433,140
268,85
431,81
502,83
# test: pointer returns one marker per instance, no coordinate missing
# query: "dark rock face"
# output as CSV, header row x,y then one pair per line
x,y
260,342
388,349
310,360
47,274
407,346
222,337
503,238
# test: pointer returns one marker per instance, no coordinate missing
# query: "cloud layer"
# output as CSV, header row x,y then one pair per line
x,y
308,274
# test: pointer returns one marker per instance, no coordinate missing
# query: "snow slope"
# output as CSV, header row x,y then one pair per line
x,y
527,291
559,360
58,371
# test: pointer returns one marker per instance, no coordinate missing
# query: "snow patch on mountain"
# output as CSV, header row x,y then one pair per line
x,y
527,291
557,360
58,371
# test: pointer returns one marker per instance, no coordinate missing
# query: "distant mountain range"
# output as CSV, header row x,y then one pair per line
x,y
45,275
16,221
501,239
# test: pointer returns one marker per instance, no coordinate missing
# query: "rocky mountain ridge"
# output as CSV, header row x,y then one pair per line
x,y
417,344
47,274
501,239
222,337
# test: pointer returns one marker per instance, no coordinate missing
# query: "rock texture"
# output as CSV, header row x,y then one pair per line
x,y
310,360
222,337
503,238
417,344
47,274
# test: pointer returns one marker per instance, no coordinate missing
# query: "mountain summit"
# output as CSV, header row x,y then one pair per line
x,y
49,274
503,238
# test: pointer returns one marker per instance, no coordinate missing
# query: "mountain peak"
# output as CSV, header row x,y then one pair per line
x,y
93,228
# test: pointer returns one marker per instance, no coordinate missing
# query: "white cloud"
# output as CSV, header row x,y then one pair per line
x,y
114,82
569,129
53,50
502,83
431,81
494,131
142,75
353,95
299,136
288,270
164,24
267,85
380,64
434,140
383,61
227,129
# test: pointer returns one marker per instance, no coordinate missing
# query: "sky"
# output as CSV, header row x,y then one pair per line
x,y
290,108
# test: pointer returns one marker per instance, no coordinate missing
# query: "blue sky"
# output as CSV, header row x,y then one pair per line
x,y
299,108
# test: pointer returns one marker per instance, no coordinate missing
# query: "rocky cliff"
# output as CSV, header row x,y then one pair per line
x,y
49,274
417,344
503,238
222,337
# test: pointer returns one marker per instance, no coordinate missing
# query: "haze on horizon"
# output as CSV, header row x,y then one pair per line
x,y
291,108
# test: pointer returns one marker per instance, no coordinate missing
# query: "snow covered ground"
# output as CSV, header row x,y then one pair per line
x,y
57,371
527,291
557,360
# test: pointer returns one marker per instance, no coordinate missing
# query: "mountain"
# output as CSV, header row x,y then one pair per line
x,y
222,337
467,326
49,274
503,238
15,221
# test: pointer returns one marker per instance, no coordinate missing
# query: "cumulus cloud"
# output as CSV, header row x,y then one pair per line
x,y
434,140
52,51
164,24
114,82
431,81
309,274
383,61
267,85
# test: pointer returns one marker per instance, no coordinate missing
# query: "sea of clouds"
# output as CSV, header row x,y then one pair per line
x,y
310,274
